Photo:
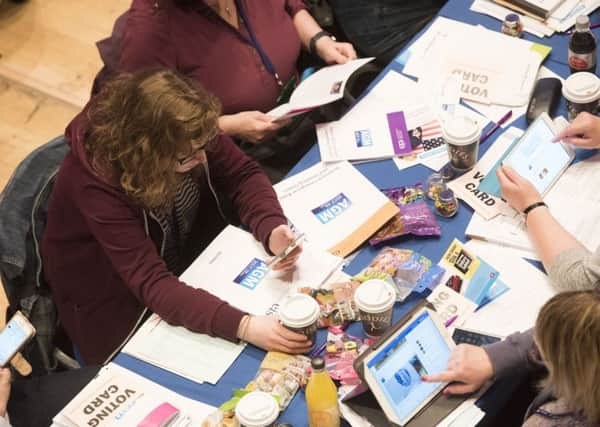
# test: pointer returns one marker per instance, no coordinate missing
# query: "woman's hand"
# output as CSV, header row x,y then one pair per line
x,y
333,52
267,333
583,132
469,365
4,390
251,126
280,238
516,190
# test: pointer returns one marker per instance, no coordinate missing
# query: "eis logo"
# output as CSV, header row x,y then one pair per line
x,y
253,274
332,209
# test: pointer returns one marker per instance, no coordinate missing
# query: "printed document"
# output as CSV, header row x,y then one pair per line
x,y
324,86
335,206
120,397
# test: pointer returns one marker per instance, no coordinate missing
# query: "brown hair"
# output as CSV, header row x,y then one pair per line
x,y
568,336
141,124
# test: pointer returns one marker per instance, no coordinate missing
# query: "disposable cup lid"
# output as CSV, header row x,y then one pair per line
x,y
375,296
299,311
257,409
582,87
460,130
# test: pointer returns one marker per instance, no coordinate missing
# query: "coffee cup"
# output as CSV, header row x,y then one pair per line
x,y
461,135
375,300
257,409
300,313
582,92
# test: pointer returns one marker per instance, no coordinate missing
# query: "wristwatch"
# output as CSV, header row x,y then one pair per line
x,y
312,45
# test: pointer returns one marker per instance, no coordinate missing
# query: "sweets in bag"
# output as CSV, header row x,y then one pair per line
x,y
336,304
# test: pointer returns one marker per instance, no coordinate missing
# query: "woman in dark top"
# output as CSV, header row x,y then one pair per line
x,y
142,188
211,43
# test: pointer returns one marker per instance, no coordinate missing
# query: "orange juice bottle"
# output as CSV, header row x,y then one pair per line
x,y
321,397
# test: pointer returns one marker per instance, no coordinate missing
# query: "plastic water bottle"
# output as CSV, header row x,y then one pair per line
x,y
582,47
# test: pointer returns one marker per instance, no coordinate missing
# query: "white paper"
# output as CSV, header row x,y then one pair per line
x,y
324,86
334,205
495,10
467,414
449,303
516,309
150,395
191,355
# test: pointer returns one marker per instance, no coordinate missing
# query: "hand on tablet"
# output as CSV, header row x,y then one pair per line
x,y
281,237
469,366
516,190
583,132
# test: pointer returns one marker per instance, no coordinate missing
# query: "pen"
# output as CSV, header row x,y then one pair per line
x,y
592,26
451,320
500,122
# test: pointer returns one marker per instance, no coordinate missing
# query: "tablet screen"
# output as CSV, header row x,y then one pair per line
x,y
398,367
538,159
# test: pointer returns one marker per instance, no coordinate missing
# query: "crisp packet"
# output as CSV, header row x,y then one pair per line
x,y
414,216
341,352
337,304
279,374
407,270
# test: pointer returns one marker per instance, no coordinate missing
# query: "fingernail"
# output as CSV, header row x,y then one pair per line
x,y
423,378
446,392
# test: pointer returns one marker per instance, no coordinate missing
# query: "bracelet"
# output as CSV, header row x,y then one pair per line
x,y
312,45
532,207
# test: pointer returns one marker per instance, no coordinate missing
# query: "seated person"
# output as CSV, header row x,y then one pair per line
x,y
143,188
566,341
211,43
381,28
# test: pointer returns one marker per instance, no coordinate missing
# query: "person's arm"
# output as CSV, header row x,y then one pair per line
x,y
4,396
327,49
570,265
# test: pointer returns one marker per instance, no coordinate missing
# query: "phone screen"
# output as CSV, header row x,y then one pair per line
x,y
13,336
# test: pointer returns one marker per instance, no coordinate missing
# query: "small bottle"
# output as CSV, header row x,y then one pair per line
x,y
512,25
446,204
321,397
435,184
582,47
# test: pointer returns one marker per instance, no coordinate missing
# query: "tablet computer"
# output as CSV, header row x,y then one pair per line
x,y
536,158
393,370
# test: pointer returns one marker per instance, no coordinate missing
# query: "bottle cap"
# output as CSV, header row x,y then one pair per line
x,y
582,23
512,18
582,87
446,195
299,311
375,296
257,409
317,363
460,130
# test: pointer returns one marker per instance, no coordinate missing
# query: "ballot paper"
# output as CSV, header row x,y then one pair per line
x,y
471,53
465,186
577,211
322,87
119,397
335,206
517,309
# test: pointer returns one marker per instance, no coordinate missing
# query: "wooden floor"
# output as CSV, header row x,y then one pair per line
x,y
48,60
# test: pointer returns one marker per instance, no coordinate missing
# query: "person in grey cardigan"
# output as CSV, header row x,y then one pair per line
x,y
570,267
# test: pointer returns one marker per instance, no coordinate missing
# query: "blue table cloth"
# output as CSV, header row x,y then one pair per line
x,y
382,174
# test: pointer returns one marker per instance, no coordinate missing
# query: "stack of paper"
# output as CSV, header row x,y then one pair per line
x,y
335,206
119,397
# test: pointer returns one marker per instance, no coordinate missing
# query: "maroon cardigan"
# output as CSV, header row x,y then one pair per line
x,y
101,251
202,46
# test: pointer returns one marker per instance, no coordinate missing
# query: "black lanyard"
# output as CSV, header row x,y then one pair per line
x,y
263,56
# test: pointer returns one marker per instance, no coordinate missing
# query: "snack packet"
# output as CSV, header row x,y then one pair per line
x,y
405,269
414,216
337,304
341,352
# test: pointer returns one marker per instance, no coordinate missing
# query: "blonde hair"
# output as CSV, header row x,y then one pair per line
x,y
141,124
568,337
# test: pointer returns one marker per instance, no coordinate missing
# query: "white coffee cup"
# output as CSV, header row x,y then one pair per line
x,y
375,300
461,135
300,313
257,409
582,92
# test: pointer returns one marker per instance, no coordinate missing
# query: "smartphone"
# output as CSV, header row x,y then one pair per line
x,y
297,242
17,332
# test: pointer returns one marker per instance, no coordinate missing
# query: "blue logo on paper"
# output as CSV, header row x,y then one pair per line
x,y
363,138
332,209
253,274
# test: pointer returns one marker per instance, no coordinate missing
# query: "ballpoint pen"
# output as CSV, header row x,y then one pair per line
x,y
450,321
